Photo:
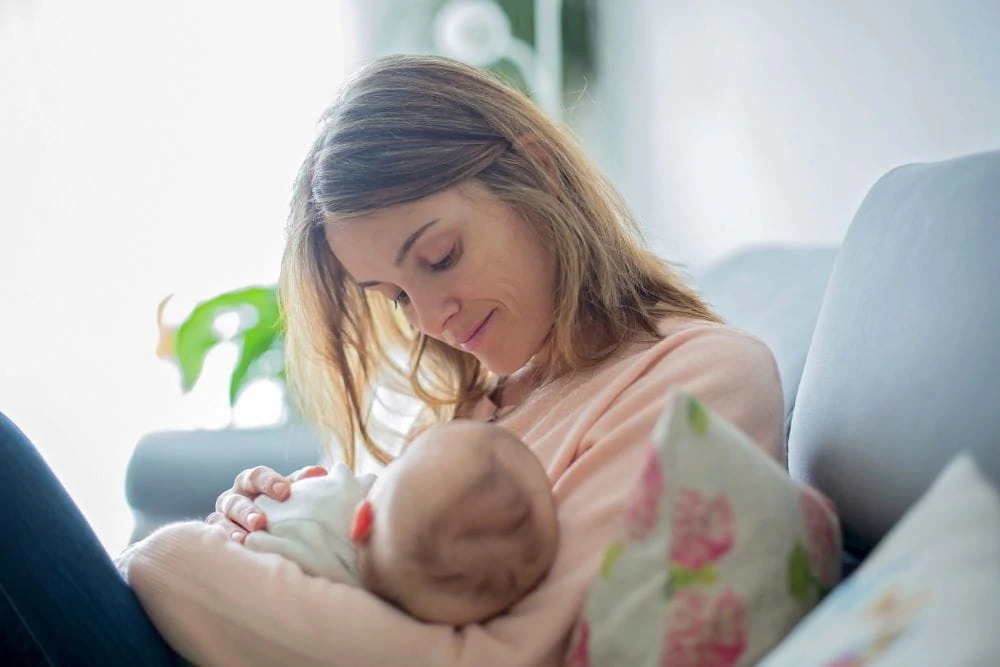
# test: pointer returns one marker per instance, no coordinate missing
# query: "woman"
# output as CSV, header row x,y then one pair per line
x,y
440,214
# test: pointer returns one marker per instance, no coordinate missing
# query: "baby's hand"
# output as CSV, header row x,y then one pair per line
x,y
236,510
312,526
319,498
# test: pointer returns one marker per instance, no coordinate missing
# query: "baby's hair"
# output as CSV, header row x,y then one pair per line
x,y
486,538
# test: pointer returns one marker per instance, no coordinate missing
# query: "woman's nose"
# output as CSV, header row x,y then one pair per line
x,y
433,311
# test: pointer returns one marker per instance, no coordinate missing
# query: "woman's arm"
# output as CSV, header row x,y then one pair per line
x,y
218,603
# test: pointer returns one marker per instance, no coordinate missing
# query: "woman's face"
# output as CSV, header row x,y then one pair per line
x,y
462,266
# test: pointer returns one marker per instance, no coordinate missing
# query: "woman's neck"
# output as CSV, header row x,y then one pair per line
x,y
519,385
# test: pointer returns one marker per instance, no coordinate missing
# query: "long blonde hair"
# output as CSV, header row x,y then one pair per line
x,y
405,127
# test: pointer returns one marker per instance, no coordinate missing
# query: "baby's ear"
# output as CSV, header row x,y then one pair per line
x,y
361,527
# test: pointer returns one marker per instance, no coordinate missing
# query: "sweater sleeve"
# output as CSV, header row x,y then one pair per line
x,y
218,603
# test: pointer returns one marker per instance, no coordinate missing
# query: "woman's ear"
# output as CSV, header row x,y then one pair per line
x,y
364,516
532,147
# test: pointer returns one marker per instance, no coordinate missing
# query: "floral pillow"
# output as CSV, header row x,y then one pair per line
x,y
720,553
928,595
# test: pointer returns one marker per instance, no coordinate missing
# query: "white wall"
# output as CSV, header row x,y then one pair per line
x,y
728,122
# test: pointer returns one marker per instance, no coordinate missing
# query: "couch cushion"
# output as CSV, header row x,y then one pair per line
x,y
718,556
904,367
775,294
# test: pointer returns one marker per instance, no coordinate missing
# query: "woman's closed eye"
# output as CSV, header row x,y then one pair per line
x,y
447,261
443,264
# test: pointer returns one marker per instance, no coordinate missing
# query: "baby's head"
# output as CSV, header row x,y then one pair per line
x,y
458,528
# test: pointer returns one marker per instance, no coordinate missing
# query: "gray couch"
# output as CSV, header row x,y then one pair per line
x,y
903,367
881,343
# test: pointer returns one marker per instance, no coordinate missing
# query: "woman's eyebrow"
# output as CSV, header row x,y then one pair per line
x,y
403,249
411,239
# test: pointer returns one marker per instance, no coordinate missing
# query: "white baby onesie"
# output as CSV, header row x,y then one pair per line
x,y
312,527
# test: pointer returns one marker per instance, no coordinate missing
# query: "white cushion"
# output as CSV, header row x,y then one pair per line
x,y
928,595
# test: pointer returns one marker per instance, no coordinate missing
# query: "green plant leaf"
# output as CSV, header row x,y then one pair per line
x,y
256,342
192,342
196,336
801,580
682,577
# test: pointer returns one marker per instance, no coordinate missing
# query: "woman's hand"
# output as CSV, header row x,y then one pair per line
x,y
235,511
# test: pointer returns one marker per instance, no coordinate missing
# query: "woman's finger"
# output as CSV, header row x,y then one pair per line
x,y
233,531
308,471
262,480
240,510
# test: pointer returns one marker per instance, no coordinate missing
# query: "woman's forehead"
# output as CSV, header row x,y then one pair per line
x,y
390,225
378,246
407,213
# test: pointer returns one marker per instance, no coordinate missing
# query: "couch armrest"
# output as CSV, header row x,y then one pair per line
x,y
177,475
774,293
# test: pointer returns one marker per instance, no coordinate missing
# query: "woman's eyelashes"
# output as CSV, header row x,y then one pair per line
x,y
447,261
443,264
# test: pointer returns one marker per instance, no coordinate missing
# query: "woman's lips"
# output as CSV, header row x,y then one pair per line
x,y
475,339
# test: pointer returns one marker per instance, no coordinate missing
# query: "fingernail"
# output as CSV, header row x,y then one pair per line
x,y
237,535
279,487
252,519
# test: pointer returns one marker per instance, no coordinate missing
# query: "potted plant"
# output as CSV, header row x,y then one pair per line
x,y
258,334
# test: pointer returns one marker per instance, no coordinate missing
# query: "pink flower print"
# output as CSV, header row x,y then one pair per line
x,y
643,507
685,626
579,655
704,529
702,632
727,631
822,543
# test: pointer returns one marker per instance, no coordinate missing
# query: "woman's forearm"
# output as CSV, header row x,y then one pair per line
x,y
218,603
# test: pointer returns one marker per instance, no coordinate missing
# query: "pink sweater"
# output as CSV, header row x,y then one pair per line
x,y
218,603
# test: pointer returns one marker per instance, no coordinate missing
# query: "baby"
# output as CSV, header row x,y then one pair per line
x,y
457,529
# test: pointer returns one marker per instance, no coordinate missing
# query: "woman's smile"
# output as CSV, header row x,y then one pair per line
x,y
475,338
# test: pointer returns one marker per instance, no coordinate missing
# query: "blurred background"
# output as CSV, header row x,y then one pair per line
x,y
148,149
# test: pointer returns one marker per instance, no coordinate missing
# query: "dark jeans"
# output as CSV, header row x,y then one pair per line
x,y
62,602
